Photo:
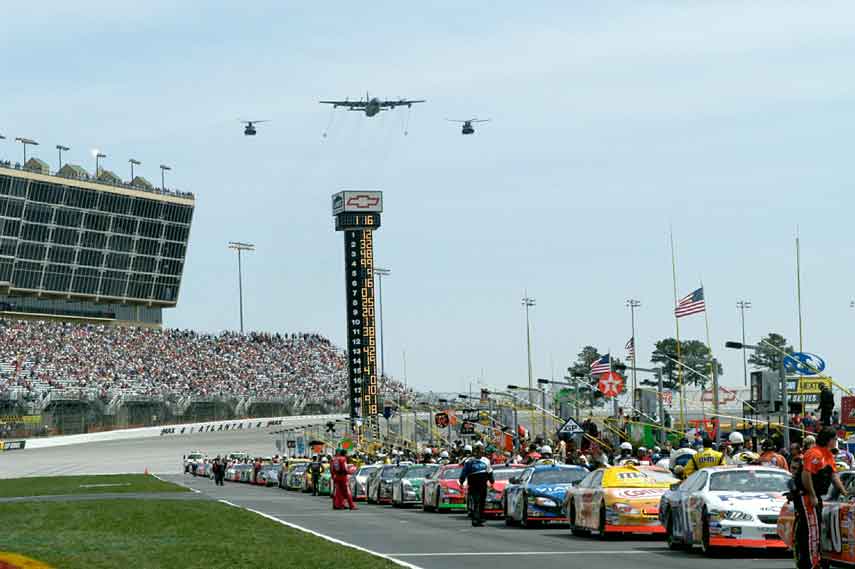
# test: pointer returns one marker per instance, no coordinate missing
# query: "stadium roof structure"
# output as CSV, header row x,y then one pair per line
x,y
109,177
37,165
78,177
140,182
73,171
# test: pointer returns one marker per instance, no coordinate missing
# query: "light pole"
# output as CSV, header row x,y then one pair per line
x,y
542,401
98,156
239,247
527,303
133,163
743,305
163,170
60,148
26,142
632,304
782,375
381,272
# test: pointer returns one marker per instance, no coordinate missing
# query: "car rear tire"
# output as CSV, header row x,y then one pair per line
x,y
509,521
425,507
673,544
601,527
526,523
706,548
574,529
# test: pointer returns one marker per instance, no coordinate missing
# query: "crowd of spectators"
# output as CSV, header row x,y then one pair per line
x,y
104,361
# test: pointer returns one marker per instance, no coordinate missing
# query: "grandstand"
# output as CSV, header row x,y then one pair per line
x,y
75,247
80,377
87,265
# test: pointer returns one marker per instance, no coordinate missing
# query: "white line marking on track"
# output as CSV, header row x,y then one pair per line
x,y
178,484
506,553
324,536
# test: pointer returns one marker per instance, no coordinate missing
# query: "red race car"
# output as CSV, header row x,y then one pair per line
x,y
442,491
501,475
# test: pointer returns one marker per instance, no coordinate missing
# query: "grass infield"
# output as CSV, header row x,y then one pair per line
x,y
155,534
111,483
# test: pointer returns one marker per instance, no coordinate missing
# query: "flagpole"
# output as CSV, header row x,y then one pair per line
x,y
677,325
713,365
799,288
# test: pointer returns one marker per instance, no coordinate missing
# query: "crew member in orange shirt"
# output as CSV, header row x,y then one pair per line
x,y
816,476
771,458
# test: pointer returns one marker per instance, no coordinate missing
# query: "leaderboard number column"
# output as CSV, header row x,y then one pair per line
x,y
356,318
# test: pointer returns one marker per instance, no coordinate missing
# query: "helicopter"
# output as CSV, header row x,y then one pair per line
x,y
467,124
249,130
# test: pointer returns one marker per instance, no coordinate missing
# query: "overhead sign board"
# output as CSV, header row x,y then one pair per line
x,y
610,384
803,363
571,427
357,201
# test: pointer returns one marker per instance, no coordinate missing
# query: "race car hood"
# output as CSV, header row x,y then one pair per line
x,y
499,485
450,484
750,502
554,491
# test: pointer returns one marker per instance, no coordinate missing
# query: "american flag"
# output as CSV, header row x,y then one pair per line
x,y
691,304
630,349
601,366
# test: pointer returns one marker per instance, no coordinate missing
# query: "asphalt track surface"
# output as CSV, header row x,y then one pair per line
x,y
448,540
158,454
422,539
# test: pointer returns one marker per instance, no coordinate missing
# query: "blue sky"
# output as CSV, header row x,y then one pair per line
x,y
731,121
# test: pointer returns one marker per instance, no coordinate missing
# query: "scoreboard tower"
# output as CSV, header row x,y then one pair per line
x,y
357,214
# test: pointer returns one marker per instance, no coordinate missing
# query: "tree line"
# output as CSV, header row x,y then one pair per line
x,y
693,353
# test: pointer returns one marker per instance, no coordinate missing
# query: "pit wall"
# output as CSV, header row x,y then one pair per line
x,y
186,429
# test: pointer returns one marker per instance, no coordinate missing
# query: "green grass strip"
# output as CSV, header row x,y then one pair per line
x,y
111,483
155,534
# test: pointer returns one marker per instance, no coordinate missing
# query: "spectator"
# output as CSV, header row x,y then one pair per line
x,y
37,358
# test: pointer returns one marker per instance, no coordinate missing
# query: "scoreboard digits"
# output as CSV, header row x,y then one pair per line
x,y
357,214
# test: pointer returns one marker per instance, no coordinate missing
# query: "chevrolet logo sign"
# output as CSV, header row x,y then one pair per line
x,y
362,201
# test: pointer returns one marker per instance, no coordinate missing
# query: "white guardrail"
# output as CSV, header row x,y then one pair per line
x,y
185,429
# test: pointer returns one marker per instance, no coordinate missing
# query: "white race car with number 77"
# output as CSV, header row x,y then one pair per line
x,y
725,506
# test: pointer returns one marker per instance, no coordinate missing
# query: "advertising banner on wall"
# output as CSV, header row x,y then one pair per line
x,y
847,411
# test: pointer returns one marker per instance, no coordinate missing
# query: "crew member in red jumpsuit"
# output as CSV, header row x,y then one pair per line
x,y
341,491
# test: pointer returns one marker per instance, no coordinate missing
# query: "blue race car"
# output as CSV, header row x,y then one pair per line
x,y
537,494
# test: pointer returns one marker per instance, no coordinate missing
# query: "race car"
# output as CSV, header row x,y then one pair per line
x,y
325,483
268,475
725,506
496,494
443,491
618,499
203,469
244,473
537,494
837,527
294,479
407,485
380,483
192,460
359,482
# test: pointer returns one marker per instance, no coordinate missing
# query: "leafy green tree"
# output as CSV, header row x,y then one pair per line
x,y
767,357
693,353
